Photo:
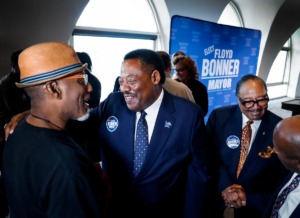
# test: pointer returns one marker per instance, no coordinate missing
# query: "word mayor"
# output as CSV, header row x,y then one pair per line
x,y
222,65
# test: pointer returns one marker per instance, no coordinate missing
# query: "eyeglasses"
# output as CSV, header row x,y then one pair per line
x,y
83,76
179,69
249,104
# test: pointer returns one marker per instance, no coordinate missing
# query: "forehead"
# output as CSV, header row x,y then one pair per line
x,y
179,63
131,66
253,87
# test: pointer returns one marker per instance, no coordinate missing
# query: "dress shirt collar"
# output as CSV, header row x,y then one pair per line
x,y
255,123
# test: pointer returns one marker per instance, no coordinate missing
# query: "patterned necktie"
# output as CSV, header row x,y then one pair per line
x,y
283,195
141,143
245,142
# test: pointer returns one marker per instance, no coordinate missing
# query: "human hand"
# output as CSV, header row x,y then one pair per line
x,y
15,120
234,196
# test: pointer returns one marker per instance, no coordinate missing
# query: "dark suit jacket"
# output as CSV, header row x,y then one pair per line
x,y
268,211
259,177
174,178
199,92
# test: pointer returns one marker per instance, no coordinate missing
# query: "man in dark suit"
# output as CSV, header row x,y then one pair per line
x,y
286,140
245,193
173,180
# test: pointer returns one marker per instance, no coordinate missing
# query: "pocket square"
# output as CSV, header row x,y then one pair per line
x,y
266,154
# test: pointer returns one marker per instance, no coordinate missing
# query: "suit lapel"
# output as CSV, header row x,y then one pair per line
x,y
128,140
236,123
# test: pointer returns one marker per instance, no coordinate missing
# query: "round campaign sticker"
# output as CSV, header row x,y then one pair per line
x,y
112,123
233,141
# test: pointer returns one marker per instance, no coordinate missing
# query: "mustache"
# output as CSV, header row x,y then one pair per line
x,y
129,94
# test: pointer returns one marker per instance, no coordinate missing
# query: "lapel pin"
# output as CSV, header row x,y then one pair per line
x,y
168,124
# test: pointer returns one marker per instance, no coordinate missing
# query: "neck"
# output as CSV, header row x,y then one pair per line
x,y
168,74
47,121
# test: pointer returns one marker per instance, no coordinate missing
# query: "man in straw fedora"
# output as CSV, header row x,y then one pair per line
x,y
46,174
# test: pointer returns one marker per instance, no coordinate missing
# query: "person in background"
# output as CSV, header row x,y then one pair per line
x,y
153,145
116,85
12,101
286,139
93,80
181,53
245,180
173,86
45,173
175,77
88,141
187,73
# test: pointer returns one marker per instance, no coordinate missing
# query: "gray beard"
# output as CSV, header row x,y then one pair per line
x,y
84,117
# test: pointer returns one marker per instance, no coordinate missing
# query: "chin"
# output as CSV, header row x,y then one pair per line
x,y
84,117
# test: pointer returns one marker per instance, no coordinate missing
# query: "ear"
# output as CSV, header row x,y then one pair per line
x,y
155,77
52,88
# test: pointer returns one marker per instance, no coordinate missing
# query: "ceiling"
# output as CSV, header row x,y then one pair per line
x,y
24,23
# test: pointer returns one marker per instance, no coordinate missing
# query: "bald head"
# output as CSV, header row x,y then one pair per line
x,y
286,139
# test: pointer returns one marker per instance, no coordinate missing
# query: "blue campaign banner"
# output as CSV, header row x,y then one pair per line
x,y
222,53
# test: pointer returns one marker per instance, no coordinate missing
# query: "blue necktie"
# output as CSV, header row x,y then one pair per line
x,y
283,195
141,143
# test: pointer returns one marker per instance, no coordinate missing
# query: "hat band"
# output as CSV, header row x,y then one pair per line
x,y
49,75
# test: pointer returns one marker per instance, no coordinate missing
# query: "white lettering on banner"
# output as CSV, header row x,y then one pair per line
x,y
219,84
224,53
220,67
209,50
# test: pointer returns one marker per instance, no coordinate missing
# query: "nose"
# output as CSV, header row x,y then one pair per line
x,y
124,87
256,106
89,88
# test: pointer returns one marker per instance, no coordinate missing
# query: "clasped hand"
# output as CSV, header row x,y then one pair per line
x,y
234,196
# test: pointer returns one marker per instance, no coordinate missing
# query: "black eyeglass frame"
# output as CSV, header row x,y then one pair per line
x,y
243,102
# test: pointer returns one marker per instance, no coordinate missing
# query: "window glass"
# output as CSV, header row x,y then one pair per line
x,y
280,70
134,15
230,16
276,74
119,17
107,55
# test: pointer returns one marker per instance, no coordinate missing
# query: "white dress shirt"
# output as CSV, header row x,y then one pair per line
x,y
254,127
152,112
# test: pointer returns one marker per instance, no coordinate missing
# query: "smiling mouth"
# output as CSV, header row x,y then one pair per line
x,y
255,112
129,97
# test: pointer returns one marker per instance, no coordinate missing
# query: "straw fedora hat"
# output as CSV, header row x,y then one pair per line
x,y
47,61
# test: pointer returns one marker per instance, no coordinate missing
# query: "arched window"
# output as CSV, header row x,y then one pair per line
x,y
231,16
280,68
279,73
107,30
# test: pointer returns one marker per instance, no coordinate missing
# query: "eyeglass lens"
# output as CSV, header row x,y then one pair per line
x,y
249,104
